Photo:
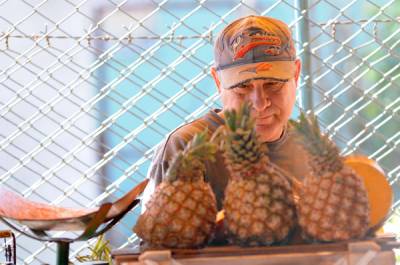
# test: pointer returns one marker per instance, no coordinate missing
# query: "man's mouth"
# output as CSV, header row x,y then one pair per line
x,y
266,120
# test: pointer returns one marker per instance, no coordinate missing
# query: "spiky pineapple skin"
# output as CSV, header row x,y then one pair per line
x,y
334,207
258,201
180,214
333,204
259,209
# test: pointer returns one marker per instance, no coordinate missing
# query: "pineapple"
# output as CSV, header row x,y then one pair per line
x,y
181,213
333,202
259,207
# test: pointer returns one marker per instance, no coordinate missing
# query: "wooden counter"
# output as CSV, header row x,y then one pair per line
x,y
371,252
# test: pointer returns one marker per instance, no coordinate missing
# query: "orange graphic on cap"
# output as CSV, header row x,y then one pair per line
x,y
261,67
246,48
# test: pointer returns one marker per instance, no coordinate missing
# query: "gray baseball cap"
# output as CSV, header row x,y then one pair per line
x,y
254,47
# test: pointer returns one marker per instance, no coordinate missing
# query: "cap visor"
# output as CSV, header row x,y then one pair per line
x,y
232,76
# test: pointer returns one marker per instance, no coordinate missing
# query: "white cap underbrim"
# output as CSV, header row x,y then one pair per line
x,y
232,76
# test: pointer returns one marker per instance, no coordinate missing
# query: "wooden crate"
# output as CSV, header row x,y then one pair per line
x,y
367,252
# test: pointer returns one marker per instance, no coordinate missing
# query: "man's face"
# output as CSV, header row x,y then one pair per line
x,y
272,103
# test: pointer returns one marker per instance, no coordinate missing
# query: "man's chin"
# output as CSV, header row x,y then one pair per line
x,y
268,120
268,132
265,126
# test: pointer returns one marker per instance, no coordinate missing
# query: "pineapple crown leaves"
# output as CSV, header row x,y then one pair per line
x,y
314,140
309,129
241,141
240,120
235,122
189,163
239,124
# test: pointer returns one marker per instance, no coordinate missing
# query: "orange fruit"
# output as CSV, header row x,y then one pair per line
x,y
380,192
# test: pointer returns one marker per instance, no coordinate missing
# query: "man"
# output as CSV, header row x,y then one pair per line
x,y
255,60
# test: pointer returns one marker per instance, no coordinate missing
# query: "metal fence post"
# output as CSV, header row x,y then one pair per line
x,y
304,28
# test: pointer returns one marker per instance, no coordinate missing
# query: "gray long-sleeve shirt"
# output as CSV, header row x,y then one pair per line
x,y
286,153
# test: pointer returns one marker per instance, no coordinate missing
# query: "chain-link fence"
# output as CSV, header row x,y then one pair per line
x,y
89,88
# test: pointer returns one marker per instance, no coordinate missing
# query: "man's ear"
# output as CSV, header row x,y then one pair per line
x,y
214,74
298,71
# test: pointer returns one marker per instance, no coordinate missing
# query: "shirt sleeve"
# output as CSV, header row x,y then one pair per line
x,y
159,165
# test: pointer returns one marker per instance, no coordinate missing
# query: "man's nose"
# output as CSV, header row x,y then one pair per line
x,y
260,98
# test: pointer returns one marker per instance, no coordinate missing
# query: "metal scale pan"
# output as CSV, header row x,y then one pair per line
x,y
41,218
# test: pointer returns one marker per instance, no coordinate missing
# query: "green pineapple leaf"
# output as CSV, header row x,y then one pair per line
x,y
189,163
230,117
101,251
318,144
239,119
241,140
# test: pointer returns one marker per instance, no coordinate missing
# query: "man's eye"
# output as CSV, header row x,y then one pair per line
x,y
274,86
243,86
241,89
